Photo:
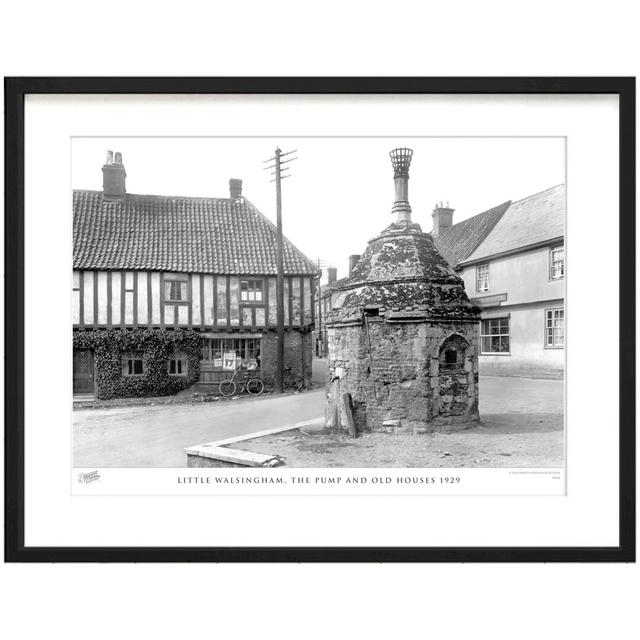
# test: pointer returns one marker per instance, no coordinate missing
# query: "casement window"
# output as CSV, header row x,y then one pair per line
x,y
554,328
175,290
133,366
556,263
251,290
494,336
231,353
482,277
177,366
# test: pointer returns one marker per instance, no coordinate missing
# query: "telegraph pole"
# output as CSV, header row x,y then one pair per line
x,y
276,163
320,346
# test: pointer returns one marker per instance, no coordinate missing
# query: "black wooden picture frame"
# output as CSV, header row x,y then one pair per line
x,y
15,91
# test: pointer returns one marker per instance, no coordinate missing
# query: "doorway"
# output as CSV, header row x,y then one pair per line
x,y
83,372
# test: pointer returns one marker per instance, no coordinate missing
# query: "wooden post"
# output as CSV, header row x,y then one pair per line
x,y
278,173
320,345
334,419
348,414
279,280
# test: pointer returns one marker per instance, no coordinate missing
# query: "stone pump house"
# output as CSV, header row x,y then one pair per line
x,y
402,333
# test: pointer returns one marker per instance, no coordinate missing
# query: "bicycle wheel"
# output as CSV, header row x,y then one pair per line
x,y
227,388
255,386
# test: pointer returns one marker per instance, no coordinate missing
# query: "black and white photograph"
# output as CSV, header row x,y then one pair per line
x,y
308,310
320,320
318,302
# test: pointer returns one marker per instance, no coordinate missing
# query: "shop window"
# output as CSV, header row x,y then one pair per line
x,y
229,354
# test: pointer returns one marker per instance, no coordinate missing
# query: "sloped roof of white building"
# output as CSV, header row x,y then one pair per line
x,y
530,221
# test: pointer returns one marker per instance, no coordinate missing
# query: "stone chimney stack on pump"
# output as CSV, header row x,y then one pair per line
x,y
442,218
353,261
401,159
235,188
332,275
113,177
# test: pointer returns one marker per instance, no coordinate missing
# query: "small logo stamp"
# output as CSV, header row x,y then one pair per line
x,y
89,476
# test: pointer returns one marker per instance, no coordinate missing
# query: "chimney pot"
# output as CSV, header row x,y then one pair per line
x,y
442,218
113,177
235,188
353,261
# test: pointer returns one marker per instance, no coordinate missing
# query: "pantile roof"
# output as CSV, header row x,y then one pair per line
x,y
179,234
458,241
529,221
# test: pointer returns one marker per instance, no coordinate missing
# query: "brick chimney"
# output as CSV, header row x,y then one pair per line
x,y
400,160
353,261
332,274
113,177
235,188
442,218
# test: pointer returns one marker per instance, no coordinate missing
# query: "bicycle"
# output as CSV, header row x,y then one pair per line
x,y
253,386
291,381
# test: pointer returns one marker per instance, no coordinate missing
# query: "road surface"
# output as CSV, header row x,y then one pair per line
x,y
155,436
147,436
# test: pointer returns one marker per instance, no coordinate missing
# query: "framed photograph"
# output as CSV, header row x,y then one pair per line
x,y
320,319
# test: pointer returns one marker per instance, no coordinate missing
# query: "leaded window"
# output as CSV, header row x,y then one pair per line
x,y
175,290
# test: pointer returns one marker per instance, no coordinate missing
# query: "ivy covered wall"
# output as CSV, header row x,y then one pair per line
x,y
155,346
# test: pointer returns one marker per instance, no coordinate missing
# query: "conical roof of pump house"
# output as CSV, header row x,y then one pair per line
x,y
403,277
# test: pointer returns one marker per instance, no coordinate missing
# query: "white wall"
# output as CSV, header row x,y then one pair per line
x,y
525,277
100,295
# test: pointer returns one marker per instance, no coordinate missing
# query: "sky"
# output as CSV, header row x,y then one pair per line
x,y
340,190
